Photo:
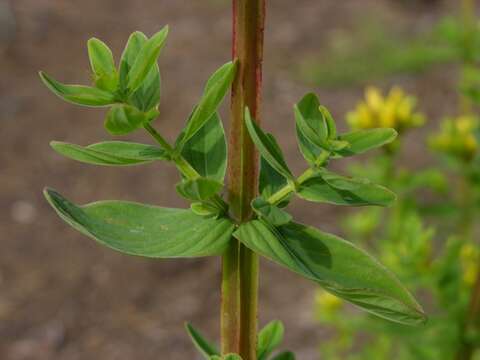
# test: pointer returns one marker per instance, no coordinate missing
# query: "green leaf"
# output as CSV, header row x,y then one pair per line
x,y
330,123
200,189
129,55
206,151
309,109
287,355
205,209
267,146
110,153
103,65
269,338
337,265
232,357
146,59
363,140
311,128
123,119
145,230
202,345
309,151
78,94
271,213
270,180
147,96
335,189
215,90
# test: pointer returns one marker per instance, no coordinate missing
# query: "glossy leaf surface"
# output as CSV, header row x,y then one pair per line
x,y
147,96
123,119
146,59
269,338
270,180
206,151
267,146
110,153
312,129
145,230
215,90
335,189
134,44
364,140
200,189
271,213
103,65
337,265
78,94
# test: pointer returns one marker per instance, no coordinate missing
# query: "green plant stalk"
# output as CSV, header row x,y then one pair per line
x,y
472,321
182,165
240,265
285,191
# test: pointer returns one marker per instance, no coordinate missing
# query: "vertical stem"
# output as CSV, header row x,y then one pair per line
x,y
472,316
240,265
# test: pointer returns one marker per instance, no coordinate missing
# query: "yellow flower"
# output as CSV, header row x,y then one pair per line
x,y
396,110
374,98
327,302
457,137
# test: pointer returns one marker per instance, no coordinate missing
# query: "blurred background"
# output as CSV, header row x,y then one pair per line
x,y
64,297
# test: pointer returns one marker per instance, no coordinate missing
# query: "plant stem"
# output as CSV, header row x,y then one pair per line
x,y
283,192
471,320
240,265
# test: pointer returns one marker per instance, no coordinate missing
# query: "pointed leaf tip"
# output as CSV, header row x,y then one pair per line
x,y
145,230
203,346
337,265
78,94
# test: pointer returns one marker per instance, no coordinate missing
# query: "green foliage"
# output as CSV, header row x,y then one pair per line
x,y
200,153
200,189
207,150
111,153
123,119
202,345
270,213
269,338
337,265
146,60
103,65
215,90
268,147
364,140
332,188
439,260
78,94
145,230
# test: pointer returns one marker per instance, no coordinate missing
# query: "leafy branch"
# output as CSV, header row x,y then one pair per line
x,y
131,91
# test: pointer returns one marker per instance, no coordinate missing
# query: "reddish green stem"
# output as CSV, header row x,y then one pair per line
x,y
240,265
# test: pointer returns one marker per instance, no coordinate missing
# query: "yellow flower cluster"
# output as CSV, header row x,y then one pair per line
x,y
457,137
397,110
328,303
470,260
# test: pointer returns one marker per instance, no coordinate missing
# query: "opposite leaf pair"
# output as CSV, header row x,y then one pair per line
x,y
205,229
132,91
269,338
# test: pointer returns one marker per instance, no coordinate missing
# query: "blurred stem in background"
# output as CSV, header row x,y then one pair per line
x,y
240,265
